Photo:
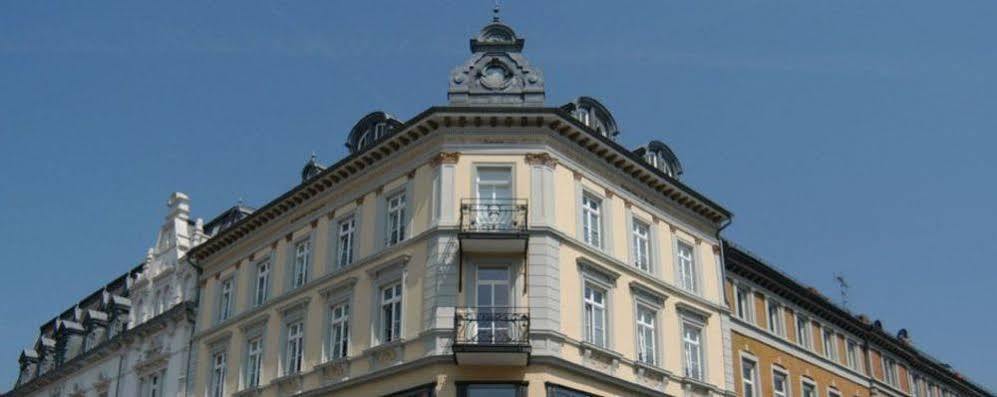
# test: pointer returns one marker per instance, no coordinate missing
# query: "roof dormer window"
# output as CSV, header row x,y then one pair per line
x,y
369,129
593,115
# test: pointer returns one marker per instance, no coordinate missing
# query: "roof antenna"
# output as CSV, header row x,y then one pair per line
x,y
495,12
843,289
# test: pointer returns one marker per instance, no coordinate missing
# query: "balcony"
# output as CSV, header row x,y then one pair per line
x,y
491,336
493,225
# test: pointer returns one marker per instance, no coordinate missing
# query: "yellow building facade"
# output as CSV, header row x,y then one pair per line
x,y
787,340
493,246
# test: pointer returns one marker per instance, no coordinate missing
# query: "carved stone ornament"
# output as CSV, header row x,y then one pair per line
x,y
543,159
445,158
496,73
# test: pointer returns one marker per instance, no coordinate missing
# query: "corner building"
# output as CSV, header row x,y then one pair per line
x,y
491,247
788,340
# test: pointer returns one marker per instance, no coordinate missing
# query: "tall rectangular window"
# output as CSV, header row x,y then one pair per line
x,y
391,312
776,320
641,245
339,331
216,387
646,335
915,386
294,350
302,259
852,354
591,220
225,299
687,267
347,233
809,389
152,385
890,371
749,377
254,361
742,301
803,333
396,219
595,315
262,292
692,350
780,384
830,347
833,393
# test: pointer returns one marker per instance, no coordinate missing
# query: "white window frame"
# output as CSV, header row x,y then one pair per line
x,y
226,295
346,236
390,306
775,327
750,381
686,266
776,373
254,361
743,310
593,310
592,228
264,272
647,345
833,392
807,382
216,385
301,258
830,349
395,221
805,335
697,357
640,236
294,346
339,330
852,354
890,371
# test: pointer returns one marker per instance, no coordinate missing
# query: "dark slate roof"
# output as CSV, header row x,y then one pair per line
x,y
226,219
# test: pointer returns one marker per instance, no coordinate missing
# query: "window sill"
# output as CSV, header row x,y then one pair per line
x,y
641,366
249,391
384,346
591,347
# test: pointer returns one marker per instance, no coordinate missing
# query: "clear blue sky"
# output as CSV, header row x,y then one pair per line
x,y
851,137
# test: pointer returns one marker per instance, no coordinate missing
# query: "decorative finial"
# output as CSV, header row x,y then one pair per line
x,y
314,157
495,12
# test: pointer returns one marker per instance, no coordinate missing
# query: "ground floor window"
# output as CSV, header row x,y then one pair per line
x,y
491,389
554,390
418,391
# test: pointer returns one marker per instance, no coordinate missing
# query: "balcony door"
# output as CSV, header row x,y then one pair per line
x,y
493,189
493,290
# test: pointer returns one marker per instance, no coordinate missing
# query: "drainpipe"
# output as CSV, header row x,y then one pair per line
x,y
190,341
117,379
728,381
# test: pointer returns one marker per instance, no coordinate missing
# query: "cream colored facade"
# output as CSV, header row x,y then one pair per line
x,y
551,158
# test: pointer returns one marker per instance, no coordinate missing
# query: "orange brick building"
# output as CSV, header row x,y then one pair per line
x,y
787,340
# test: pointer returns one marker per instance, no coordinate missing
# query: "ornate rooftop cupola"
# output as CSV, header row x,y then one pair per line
x,y
497,73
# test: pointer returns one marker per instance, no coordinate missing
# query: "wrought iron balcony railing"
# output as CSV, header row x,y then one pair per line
x,y
491,326
484,215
